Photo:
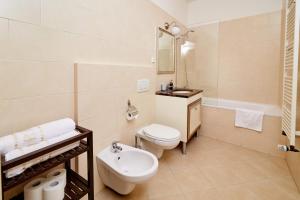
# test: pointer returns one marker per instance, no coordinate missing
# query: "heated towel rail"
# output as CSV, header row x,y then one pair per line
x,y
290,77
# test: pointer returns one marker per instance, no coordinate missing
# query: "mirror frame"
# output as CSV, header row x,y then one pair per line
x,y
157,51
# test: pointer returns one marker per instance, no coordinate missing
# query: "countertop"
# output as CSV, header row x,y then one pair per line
x,y
187,95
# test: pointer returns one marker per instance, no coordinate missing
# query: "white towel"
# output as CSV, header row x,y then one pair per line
x,y
36,134
25,150
249,119
29,137
20,152
57,128
7,144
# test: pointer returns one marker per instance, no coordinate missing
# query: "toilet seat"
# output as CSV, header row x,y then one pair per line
x,y
161,133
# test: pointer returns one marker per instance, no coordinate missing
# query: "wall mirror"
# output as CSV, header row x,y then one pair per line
x,y
165,52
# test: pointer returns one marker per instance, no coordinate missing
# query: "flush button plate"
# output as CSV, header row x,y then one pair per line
x,y
143,85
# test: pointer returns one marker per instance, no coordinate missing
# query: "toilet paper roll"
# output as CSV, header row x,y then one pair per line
x,y
58,174
54,190
34,189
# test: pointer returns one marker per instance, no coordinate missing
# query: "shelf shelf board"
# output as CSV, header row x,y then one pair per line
x,y
42,167
76,188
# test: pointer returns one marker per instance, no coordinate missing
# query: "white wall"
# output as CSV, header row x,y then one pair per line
x,y
204,11
175,8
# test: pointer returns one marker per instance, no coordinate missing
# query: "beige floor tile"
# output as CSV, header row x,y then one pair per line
x,y
268,190
139,193
170,197
191,179
238,192
163,186
247,172
221,176
214,170
270,168
209,194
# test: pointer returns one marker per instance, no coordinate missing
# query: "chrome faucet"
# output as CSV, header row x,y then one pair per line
x,y
115,148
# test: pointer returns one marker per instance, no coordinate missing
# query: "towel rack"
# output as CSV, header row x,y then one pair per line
x,y
290,76
77,187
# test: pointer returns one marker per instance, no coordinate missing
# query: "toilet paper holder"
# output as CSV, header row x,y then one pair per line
x,y
132,112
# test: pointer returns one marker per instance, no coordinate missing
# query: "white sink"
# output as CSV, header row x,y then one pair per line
x,y
182,92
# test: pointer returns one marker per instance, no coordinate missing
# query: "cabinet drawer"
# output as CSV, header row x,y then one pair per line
x,y
194,116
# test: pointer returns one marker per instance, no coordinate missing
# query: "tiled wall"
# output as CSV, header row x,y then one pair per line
x,y
42,39
103,92
249,59
239,60
218,123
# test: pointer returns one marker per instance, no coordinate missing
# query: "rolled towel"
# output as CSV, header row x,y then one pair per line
x,y
36,134
61,138
56,128
7,144
25,150
29,137
20,152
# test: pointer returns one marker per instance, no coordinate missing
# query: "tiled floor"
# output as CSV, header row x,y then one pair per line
x,y
215,170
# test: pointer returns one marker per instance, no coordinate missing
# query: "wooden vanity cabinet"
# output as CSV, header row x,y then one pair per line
x,y
184,114
193,118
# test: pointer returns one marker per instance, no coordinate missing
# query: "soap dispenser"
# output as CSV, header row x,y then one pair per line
x,y
171,85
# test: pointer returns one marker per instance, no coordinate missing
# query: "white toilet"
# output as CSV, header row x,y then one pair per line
x,y
156,138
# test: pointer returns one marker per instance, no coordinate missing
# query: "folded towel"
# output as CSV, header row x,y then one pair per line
x,y
249,119
20,152
36,134
25,150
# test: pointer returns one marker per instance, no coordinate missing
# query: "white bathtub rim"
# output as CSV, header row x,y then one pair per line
x,y
268,109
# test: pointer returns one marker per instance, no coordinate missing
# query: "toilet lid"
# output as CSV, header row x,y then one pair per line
x,y
160,132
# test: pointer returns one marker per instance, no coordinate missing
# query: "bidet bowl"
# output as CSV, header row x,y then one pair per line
x,y
121,171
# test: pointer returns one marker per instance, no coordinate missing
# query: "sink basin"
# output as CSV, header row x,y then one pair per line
x,y
179,92
182,92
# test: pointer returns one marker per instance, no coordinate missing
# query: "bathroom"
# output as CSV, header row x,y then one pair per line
x,y
86,59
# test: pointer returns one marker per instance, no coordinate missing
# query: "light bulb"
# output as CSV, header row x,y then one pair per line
x,y
175,30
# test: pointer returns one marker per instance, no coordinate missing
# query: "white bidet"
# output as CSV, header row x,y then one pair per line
x,y
121,167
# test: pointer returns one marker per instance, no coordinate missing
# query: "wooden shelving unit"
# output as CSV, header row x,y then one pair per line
x,y
77,187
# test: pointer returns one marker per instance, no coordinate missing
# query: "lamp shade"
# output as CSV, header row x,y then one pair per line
x,y
187,46
175,30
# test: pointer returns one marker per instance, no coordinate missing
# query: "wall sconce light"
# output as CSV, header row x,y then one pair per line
x,y
175,30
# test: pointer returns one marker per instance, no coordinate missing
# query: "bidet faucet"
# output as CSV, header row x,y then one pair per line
x,y
115,148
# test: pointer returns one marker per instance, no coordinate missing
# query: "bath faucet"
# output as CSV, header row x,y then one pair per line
x,y
115,148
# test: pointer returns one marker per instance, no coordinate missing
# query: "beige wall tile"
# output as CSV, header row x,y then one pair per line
x,y
238,59
29,79
219,124
23,113
3,38
250,59
70,16
29,47
22,10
